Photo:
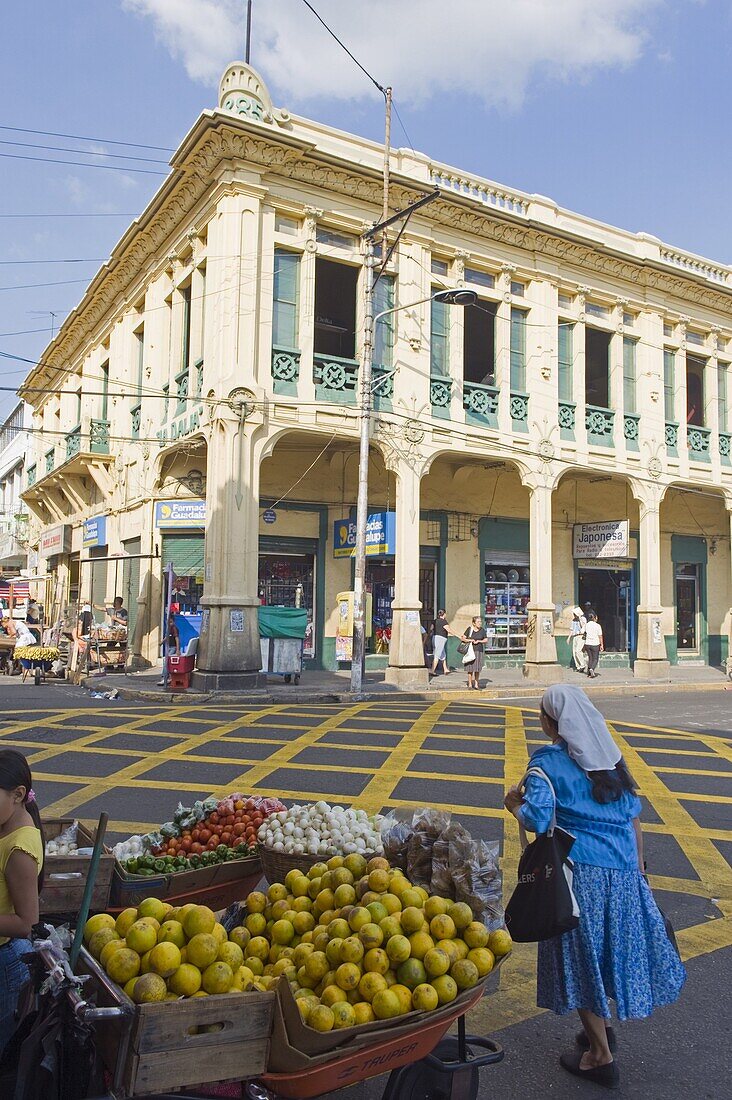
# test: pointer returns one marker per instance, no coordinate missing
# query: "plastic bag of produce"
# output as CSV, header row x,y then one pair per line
x,y
427,826
65,844
477,878
396,833
151,841
169,829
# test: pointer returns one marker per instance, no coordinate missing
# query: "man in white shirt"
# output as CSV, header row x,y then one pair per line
x,y
579,656
593,644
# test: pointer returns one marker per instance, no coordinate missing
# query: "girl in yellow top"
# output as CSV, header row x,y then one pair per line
x,y
21,879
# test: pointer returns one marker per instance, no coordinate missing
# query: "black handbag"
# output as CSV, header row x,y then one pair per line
x,y
463,647
543,904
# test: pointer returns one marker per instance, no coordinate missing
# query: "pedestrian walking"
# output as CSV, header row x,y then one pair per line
x,y
21,879
440,634
593,644
579,622
621,950
474,637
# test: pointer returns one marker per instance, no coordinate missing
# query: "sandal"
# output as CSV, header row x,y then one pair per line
x,y
584,1043
608,1076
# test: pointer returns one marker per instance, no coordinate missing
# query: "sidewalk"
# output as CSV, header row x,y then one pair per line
x,y
319,686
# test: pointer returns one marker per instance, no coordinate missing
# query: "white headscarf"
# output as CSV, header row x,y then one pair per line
x,y
589,741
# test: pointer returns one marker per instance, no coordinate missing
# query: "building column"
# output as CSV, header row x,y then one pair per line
x,y
229,655
541,649
406,653
651,661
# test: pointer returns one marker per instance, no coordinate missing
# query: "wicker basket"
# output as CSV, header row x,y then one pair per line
x,y
275,865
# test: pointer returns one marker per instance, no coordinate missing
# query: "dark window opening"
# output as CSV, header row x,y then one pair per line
x,y
695,391
335,309
597,368
479,344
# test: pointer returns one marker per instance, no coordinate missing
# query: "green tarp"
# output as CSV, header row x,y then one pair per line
x,y
282,622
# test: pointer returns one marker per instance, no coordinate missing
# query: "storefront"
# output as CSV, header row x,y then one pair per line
x,y
287,572
606,581
181,524
505,579
689,556
54,548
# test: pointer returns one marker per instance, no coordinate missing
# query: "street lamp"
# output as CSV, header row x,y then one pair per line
x,y
449,297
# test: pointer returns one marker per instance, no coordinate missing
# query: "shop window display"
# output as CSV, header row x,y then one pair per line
x,y
287,580
506,599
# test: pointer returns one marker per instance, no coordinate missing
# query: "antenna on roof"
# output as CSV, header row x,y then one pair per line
x,y
247,51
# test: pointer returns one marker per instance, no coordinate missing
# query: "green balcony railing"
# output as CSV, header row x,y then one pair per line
x,y
285,370
99,437
31,475
50,459
73,442
698,440
335,378
481,403
136,417
599,423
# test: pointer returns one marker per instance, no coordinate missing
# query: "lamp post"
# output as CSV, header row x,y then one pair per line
x,y
450,297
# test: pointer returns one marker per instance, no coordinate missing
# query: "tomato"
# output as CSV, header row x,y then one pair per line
x,y
196,848
239,829
204,836
185,844
229,820
195,834
213,819
226,838
212,844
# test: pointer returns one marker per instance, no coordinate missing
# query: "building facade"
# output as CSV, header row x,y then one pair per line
x,y
13,512
565,440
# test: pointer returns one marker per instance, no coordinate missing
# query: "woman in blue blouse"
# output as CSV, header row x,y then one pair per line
x,y
620,950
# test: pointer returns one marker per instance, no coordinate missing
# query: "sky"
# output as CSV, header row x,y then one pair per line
x,y
617,109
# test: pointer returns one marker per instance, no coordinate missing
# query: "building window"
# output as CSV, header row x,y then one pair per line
x,y
629,375
384,330
166,400
565,301
335,309
696,338
439,338
695,390
722,376
480,278
597,368
284,308
565,334
668,328
518,350
669,384
721,343
335,240
286,225
105,391
186,333
628,320
517,289
479,344
596,310
439,267
79,402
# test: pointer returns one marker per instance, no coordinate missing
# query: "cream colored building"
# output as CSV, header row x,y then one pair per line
x,y
201,401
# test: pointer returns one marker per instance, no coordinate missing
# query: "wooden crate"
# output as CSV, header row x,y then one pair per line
x,y
65,876
170,1046
216,886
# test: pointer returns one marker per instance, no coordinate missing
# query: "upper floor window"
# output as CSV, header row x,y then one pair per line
x,y
286,225
439,338
517,289
285,298
722,396
336,240
669,384
565,300
438,267
565,336
186,327
696,338
597,367
480,278
695,390
335,309
628,319
518,350
668,328
479,343
596,310
384,329
139,361
629,375
721,343
105,390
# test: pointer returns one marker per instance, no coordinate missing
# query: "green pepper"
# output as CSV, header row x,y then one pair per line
x,y
145,861
131,866
146,871
159,866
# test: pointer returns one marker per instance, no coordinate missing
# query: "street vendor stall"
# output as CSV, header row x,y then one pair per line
x,y
282,633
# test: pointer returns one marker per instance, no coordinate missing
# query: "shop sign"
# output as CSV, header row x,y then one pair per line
x,y
620,565
270,516
94,532
180,427
601,540
380,535
55,540
170,514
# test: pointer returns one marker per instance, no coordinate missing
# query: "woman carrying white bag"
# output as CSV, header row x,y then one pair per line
x,y
474,638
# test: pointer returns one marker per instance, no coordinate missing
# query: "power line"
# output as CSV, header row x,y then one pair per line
x,y
343,46
71,215
82,137
399,119
84,152
83,164
90,260
32,286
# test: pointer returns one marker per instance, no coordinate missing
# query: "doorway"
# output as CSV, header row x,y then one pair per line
x,y
610,594
687,609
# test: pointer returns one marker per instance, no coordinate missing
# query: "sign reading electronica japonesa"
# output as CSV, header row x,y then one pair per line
x,y
380,536
171,514
601,540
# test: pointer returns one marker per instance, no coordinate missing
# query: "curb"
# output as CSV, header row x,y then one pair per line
x,y
344,697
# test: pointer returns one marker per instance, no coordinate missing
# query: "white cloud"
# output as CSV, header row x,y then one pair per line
x,y
492,49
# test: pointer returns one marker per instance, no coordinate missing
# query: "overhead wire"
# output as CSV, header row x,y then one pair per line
x,y
84,137
83,152
343,46
82,164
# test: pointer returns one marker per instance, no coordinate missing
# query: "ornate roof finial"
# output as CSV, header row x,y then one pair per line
x,y
243,92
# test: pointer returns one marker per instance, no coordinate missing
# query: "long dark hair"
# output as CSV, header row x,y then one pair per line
x,y
14,772
607,786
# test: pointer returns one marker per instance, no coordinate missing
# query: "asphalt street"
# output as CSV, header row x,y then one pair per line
x,y
137,760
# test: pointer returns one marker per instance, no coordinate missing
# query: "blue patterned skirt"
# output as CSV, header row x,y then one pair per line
x,y
13,976
620,950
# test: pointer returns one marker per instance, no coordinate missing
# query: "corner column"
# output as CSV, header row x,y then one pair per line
x,y
229,655
406,669
651,661
541,649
